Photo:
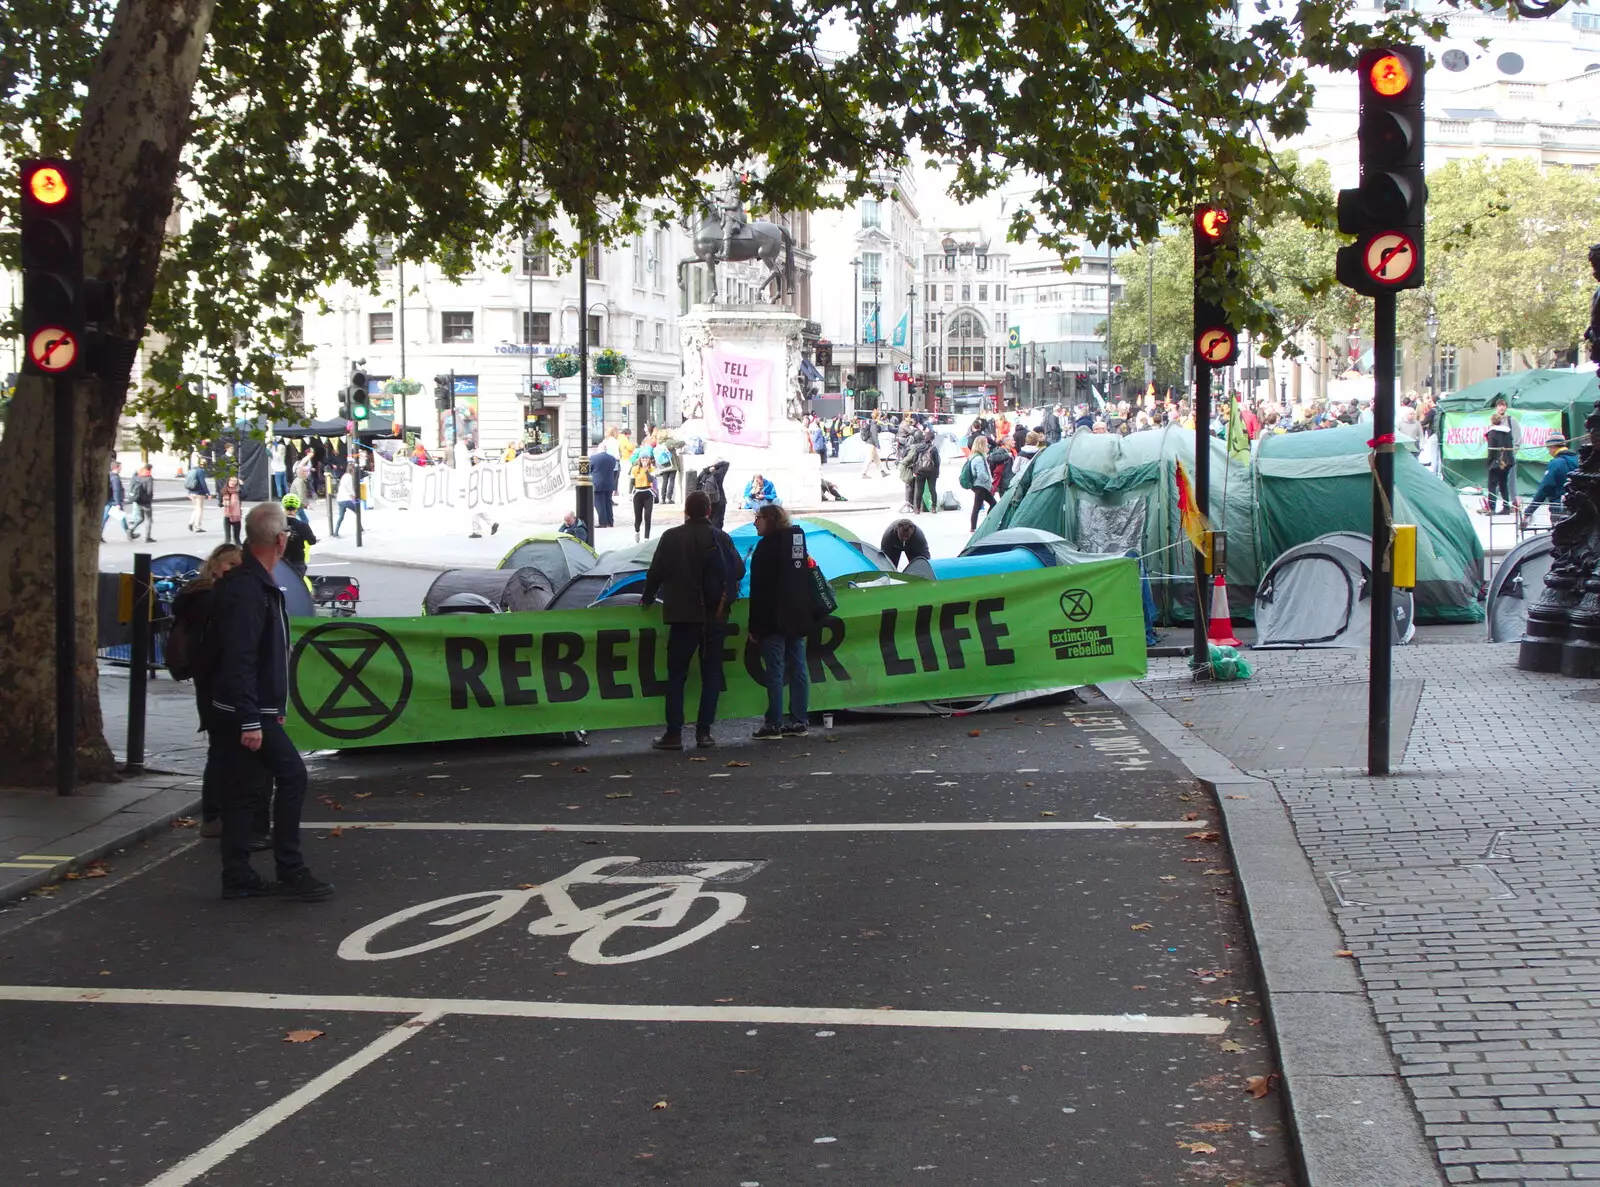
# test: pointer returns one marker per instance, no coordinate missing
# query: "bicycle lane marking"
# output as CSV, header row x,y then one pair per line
x,y
210,1157
1171,1024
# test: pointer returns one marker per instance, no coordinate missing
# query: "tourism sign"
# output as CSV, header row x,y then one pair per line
x,y
385,681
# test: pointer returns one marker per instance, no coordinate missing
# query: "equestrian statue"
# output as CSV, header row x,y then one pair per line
x,y
725,233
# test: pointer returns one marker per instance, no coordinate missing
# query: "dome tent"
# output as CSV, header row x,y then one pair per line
x,y
508,590
1108,494
558,556
1319,595
1518,583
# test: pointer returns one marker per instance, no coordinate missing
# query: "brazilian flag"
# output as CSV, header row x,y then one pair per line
x,y
1014,338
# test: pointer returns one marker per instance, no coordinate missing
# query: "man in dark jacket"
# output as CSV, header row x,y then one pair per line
x,y
251,690
780,619
690,572
1051,427
142,494
603,470
902,538
1554,484
711,479
114,502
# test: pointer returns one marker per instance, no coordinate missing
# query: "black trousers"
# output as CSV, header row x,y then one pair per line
x,y
1499,480
644,503
249,776
930,484
669,484
685,640
980,496
605,508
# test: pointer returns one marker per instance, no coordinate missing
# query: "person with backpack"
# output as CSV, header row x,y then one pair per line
x,y
925,474
250,696
1000,468
142,494
977,477
780,620
667,467
190,651
301,537
194,484
232,499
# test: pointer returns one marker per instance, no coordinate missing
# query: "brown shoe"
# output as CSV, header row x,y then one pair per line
x,y
667,742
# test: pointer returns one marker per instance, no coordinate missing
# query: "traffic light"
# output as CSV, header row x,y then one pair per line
x,y
1081,381
824,352
1216,342
53,330
1387,211
357,395
441,392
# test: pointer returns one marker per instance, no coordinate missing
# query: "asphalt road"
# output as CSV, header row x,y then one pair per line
x,y
894,952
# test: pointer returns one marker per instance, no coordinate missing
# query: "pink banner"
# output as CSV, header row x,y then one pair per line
x,y
741,398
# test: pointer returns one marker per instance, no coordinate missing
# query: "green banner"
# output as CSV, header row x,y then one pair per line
x,y
382,681
1464,433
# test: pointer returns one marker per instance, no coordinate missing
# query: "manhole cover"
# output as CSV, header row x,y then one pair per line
x,y
724,869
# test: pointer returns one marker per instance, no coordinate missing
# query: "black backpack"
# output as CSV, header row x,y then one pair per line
x,y
192,647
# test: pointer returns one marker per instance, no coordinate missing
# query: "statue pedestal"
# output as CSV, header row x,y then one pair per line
x,y
771,335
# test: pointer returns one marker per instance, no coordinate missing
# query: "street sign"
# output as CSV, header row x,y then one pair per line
x,y
1391,258
1216,346
53,349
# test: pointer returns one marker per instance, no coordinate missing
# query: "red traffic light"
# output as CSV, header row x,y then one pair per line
x,y
47,185
1212,222
1390,76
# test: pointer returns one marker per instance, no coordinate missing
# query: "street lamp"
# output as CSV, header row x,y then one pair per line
x,y
876,285
1433,354
855,324
911,339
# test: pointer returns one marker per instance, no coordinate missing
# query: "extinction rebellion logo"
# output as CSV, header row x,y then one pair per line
x,y
1080,642
339,690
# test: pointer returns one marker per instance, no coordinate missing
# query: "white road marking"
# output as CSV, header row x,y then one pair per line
x,y
955,826
236,1139
1184,1024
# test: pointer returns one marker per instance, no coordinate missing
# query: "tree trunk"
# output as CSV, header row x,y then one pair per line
x,y
135,124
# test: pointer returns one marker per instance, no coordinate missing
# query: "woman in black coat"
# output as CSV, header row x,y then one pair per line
x,y
780,619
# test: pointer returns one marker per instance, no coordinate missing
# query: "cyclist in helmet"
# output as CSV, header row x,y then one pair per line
x,y
300,536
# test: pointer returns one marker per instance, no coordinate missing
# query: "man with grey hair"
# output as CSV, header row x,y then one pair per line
x,y
250,692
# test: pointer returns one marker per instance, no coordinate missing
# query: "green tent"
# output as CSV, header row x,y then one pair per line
x,y
1311,483
1106,494
1540,402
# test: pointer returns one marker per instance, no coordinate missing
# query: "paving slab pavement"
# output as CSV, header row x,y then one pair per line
x,y
1465,885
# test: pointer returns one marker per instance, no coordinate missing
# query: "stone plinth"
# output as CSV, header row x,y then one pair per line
x,y
765,333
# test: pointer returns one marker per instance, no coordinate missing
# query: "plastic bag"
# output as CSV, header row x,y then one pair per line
x,y
1228,664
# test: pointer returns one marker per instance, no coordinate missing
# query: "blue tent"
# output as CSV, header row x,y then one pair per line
x,y
835,556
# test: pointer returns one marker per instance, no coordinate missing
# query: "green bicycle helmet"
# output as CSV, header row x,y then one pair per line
x,y
291,502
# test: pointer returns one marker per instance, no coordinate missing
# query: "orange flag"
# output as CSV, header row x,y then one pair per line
x,y
1195,525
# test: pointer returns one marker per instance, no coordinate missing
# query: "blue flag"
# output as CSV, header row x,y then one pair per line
x,y
900,330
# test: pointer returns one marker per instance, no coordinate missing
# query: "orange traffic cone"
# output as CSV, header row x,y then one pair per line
x,y
1221,630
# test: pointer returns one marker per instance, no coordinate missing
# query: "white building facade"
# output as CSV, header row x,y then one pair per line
x,y
965,356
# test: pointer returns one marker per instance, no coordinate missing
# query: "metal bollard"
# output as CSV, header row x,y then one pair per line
x,y
138,663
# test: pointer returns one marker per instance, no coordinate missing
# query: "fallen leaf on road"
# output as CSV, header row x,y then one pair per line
x,y
619,795
302,1036
1189,724
1194,859
974,733
588,841
744,1071
415,1022
1168,878
1185,796
1225,1001
1344,952
722,1001
561,974
185,822
1259,1086
1140,927
669,791
1230,1045
363,795
699,758
734,762
1027,785
1209,835
72,875
336,831
527,886
1219,871
1198,1147
1027,1067
1044,813
660,1104
580,770
1212,1126
1238,797
830,738
1191,816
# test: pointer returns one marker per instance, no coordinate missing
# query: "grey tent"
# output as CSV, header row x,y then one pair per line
x,y
1050,548
558,556
584,589
509,590
1318,595
1518,583
1405,600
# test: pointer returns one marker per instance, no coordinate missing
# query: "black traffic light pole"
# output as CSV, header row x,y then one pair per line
x,y
1378,711
66,592
1200,661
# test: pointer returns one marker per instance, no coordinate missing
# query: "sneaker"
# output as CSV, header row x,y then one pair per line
x,y
794,729
768,733
703,739
493,528
475,536
211,828
667,742
303,886
260,888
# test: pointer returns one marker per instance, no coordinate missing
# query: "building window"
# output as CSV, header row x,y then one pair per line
x,y
949,292
870,261
658,263
638,333
966,292
1000,294
380,327
457,327
870,213
295,397
1586,20
983,294
594,329
965,325
535,260
966,359
661,338
535,328
932,361
638,261
932,293
1449,371
591,261
1505,361
383,248
983,262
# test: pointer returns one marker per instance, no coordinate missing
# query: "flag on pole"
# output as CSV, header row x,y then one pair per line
x,y
1195,525
1014,337
900,328
1238,439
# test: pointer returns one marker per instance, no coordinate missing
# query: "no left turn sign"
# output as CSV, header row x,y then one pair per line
x,y
1391,258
